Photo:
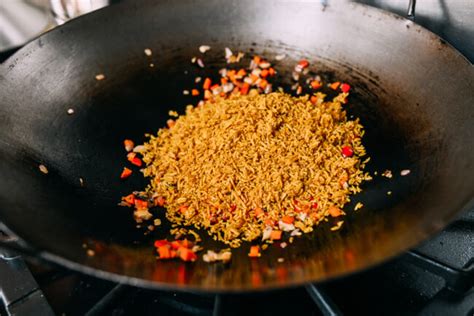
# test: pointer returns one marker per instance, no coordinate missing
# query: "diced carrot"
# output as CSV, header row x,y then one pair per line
x,y
269,222
245,88
257,59
315,84
187,243
194,92
140,204
215,86
302,210
288,219
334,85
183,208
130,199
313,99
345,87
160,243
164,252
264,73
160,201
125,173
224,80
258,211
253,77
173,253
335,211
314,216
241,73
186,254
231,75
131,155
263,83
170,123
207,84
271,71
254,252
275,235
128,144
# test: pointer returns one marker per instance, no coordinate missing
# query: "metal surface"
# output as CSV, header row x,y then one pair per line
x,y
417,115
19,291
325,304
411,9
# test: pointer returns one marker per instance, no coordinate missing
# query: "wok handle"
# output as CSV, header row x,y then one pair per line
x,y
411,9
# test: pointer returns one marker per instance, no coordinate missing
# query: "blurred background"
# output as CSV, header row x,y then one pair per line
x,y
22,20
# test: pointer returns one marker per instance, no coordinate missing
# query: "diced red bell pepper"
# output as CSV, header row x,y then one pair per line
x,y
136,161
164,252
303,63
347,151
345,87
161,242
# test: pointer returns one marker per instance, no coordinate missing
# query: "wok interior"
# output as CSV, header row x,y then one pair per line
x,y
55,213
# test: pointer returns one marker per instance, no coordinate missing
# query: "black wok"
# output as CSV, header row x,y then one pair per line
x,y
413,92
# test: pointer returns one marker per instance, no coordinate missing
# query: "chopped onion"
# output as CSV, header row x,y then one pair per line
x,y
280,57
405,172
286,227
228,53
204,48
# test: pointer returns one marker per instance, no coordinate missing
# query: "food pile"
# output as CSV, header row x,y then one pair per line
x,y
249,164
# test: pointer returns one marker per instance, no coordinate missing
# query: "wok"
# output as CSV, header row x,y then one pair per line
x,y
412,91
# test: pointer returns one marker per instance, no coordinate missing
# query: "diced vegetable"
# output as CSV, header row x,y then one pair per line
x,y
125,173
207,84
335,211
254,252
275,235
288,219
347,151
128,144
160,201
334,85
345,87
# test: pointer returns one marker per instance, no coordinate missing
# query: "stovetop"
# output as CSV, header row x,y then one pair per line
x,y
436,278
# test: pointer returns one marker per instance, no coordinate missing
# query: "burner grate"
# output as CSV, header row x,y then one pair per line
x,y
434,279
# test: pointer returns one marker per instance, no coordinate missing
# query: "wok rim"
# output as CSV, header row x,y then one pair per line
x,y
51,258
